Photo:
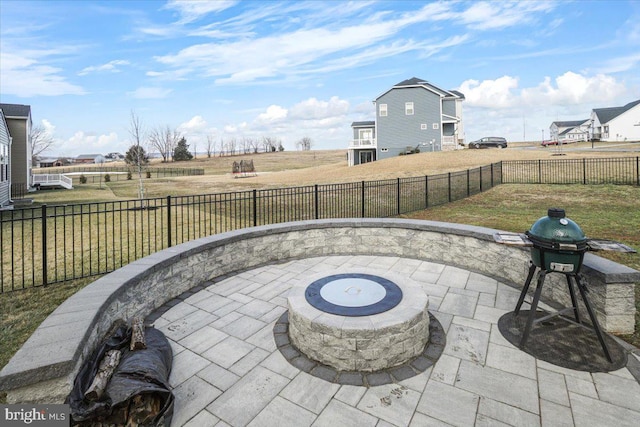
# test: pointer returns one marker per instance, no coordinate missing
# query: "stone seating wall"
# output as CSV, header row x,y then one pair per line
x,y
44,368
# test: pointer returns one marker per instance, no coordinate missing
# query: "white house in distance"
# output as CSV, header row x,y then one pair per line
x,y
569,131
616,123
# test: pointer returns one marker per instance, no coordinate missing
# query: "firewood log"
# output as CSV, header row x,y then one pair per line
x,y
108,364
137,334
143,408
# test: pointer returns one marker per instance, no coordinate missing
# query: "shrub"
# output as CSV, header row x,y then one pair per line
x,y
83,179
107,178
129,175
148,174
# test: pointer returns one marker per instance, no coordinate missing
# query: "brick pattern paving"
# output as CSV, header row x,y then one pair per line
x,y
228,371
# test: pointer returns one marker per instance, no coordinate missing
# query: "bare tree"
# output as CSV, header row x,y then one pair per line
x,y
41,141
136,131
221,147
164,139
304,144
269,144
231,146
211,145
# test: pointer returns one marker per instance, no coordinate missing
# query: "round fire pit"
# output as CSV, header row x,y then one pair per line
x,y
359,321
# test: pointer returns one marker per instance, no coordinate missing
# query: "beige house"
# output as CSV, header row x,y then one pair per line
x,y
18,120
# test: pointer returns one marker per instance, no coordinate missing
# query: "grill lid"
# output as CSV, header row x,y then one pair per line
x,y
556,231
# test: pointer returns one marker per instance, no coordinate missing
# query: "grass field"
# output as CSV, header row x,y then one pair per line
x,y
602,211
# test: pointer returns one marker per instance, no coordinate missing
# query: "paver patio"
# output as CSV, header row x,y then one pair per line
x,y
227,369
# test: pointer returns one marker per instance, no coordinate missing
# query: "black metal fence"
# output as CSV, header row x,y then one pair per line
x,y
620,170
50,244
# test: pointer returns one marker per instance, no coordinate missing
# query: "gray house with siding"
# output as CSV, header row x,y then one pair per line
x,y
18,119
414,115
5,163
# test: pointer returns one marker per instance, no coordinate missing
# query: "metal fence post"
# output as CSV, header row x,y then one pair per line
x,y
362,194
638,170
468,182
255,207
481,176
584,171
44,245
540,171
169,221
426,191
398,191
449,181
315,201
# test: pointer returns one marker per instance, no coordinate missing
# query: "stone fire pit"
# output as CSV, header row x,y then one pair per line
x,y
357,321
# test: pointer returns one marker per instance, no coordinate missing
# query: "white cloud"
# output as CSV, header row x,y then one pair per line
x,y
313,108
111,66
490,93
308,50
49,128
274,113
82,142
568,89
571,89
150,93
26,76
620,64
191,10
196,125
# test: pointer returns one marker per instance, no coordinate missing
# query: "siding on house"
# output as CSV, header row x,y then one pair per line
x,y
449,108
397,131
5,162
617,123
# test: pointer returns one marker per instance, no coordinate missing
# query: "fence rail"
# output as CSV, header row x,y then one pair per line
x,y
618,170
50,244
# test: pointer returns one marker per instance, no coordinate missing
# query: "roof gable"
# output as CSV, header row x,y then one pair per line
x,y
416,82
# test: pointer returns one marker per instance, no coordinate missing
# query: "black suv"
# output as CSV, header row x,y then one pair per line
x,y
489,141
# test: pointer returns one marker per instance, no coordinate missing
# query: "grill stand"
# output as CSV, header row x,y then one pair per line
x,y
531,320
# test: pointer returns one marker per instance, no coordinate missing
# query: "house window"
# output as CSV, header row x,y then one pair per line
x,y
383,110
408,108
436,126
423,126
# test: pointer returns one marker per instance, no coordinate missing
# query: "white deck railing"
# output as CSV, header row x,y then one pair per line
x,y
371,142
52,180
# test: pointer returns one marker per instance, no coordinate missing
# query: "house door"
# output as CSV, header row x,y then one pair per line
x,y
366,157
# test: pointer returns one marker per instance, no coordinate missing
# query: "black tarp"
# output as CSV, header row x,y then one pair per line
x,y
139,372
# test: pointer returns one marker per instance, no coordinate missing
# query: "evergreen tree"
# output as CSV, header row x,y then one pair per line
x,y
136,156
181,152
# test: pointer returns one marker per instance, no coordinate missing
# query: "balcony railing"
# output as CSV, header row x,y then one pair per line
x,y
371,142
448,139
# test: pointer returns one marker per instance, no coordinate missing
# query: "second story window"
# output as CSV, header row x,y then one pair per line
x,y
408,108
383,110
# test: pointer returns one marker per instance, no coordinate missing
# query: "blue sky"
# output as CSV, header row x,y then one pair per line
x,y
228,69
